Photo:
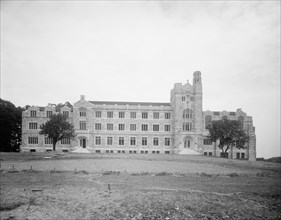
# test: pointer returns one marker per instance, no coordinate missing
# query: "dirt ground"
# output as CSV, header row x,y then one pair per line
x,y
137,187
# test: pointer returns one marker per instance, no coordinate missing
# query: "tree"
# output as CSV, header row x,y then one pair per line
x,y
57,128
10,126
229,133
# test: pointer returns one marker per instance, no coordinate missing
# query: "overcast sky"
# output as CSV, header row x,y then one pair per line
x,y
54,51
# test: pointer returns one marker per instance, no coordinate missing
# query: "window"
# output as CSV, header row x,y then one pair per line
x,y
133,127
97,126
144,127
98,114
187,126
65,114
207,142
65,141
32,140
133,115
183,98
98,151
167,115
109,141
144,115
109,114
155,115
49,114
216,113
82,113
144,141
155,127
191,98
155,141
121,140
237,155
241,121
243,155
32,125
167,152
48,140
132,141
167,141
121,114
167,127
98,140
205,153
210,153
82,125
232,113
187,113
32,113
208,121
121,127
109,127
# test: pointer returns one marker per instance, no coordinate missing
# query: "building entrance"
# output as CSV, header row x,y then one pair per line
x,y
186,143
83,142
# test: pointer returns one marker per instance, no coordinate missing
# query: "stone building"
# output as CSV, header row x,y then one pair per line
x,y
177,127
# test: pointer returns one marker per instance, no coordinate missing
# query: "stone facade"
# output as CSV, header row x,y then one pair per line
x,y
139,127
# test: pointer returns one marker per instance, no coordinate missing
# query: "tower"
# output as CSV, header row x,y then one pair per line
x,y
186,101
198,111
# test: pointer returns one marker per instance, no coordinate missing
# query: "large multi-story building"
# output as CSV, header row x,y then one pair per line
x,y
139,127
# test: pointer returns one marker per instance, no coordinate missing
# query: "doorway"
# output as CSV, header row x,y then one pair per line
x,y
187,143
83,142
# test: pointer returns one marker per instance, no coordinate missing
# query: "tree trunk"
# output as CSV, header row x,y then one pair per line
x,y
54,146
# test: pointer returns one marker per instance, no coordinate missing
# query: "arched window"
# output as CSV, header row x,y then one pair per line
x,y
241,121
208,121
187,113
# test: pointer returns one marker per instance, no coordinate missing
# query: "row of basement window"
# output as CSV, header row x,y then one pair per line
x,y
34,140
121,127
144,115
109,141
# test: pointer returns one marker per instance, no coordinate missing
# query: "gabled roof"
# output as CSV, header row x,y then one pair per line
x,y
130,103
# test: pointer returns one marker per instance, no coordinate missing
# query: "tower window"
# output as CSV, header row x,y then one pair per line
x,y
183,98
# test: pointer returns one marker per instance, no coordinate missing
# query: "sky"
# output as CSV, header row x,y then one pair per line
x,y
55,51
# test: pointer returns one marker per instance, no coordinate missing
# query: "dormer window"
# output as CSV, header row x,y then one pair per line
x,y
65,114
49,114
32,113
82,113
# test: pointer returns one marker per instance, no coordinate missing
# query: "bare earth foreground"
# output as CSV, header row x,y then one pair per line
x,y
88,186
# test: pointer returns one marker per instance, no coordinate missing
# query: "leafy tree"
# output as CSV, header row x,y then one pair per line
x,y
57,128
229,133
10,126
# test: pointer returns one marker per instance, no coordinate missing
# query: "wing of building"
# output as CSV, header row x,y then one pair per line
x,y
177,127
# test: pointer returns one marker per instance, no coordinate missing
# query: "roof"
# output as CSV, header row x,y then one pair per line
x,y
130,103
